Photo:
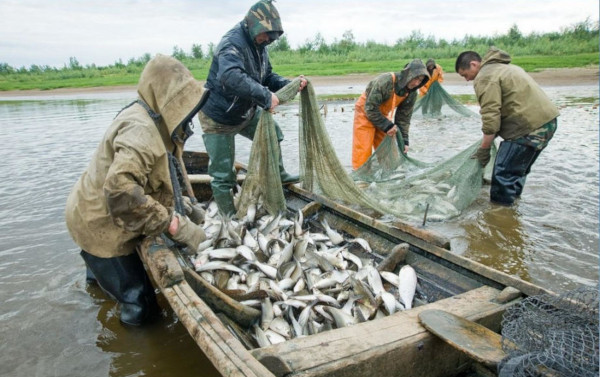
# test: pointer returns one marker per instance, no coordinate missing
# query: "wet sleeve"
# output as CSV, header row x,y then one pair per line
x,y
489,96
236,82
404,114
379,93
127,176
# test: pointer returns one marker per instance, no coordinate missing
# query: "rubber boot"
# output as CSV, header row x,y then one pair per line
x,y
286,178
221,151
513,163
124,279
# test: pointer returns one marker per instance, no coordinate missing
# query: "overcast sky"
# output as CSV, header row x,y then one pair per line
x,y
49,32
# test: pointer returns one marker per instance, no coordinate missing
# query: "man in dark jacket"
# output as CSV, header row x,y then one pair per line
x,y
241,83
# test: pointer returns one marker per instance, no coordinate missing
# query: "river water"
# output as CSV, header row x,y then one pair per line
x,y
53,324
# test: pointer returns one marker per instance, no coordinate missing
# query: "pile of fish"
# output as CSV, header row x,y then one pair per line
x,y
303,279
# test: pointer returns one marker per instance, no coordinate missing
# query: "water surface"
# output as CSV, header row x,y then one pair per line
x,y
53,324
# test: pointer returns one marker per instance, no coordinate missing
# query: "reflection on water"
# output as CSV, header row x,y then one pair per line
x,y
60,326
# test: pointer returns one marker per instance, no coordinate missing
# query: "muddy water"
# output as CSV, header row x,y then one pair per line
x,y
52,324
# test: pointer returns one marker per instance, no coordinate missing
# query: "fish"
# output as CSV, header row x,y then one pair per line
x,y
407,286
334,236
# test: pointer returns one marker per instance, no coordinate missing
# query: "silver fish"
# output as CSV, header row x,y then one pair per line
x,y
407,286
334,236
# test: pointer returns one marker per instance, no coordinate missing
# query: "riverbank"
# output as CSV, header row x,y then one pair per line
x,y
547,77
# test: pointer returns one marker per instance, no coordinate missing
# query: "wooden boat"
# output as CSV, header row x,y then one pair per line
x,y
396,345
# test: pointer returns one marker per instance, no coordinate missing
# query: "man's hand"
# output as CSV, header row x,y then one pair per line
x,y
274,102
483,155
303,82
183,230
193,210
392,131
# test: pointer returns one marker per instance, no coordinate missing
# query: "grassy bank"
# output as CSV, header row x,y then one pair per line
x,y
575,46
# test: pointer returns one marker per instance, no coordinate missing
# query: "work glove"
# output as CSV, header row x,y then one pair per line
x,y
193,210
188,233
483,155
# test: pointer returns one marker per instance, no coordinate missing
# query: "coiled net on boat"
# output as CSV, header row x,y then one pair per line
x,y
438,102
552,336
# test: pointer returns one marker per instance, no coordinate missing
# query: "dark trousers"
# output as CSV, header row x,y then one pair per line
x,y
513,164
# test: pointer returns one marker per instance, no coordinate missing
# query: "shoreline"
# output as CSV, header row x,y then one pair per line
x,y
547,77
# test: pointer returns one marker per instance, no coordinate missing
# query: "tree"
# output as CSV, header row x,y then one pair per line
x,y
74,63
280,44
197,51
178,53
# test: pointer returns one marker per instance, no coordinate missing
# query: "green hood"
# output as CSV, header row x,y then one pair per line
x,y
411,70
495,55
263,17
170,90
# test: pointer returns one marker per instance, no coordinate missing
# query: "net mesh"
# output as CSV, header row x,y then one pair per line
x,y
552,336
263,182
415,189
389,182
439,102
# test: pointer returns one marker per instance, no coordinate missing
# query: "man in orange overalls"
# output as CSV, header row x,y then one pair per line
x,y
374,110
435,72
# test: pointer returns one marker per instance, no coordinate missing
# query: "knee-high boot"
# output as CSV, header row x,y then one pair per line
x,y
513,163
221,151
125,280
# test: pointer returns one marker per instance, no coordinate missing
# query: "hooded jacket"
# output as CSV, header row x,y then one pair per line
x,y
380,89
126,193
512,103
240,75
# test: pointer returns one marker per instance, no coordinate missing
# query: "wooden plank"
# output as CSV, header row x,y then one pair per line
x,y
477,341
226,353
389,346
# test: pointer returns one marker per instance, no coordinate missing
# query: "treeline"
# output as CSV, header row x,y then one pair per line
x,y
580,38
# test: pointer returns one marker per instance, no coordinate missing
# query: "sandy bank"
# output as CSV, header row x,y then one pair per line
x,y
548,77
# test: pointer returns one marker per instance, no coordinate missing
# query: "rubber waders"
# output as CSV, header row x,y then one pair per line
x,y
221,151
124,279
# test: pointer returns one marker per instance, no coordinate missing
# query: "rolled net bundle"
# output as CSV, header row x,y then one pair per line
x,y
416,190
552,336
438,101
263,182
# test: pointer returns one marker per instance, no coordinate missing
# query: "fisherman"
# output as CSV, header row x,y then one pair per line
x,y
374,110
514,107
436,74
241,82
127,193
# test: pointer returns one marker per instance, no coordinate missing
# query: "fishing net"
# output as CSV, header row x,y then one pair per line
x,y
389,182
263,182
552,336
437,102
320,169
415,189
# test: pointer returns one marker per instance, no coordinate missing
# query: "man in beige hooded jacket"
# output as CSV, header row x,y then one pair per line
x,y
514,107
126,192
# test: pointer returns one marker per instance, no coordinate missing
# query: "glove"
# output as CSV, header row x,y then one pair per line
x,y
483,155
188,233
193,210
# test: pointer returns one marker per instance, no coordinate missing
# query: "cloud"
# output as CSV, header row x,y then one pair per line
x,y
102,32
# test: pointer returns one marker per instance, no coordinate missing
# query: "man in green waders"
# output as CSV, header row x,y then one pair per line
x,y
241,83
127,193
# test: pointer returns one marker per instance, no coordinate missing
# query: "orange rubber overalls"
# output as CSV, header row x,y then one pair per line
x,y
366,136
438,75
